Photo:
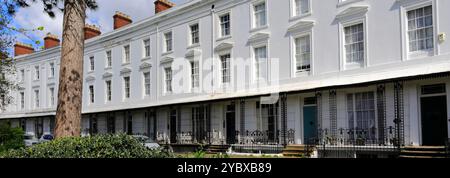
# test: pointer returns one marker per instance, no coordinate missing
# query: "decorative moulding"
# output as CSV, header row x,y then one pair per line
x,y
301,25
355,10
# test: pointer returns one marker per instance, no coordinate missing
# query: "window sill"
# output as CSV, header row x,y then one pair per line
x,y
259,28
223,38
146,58
193,46
298,17
351,66
90,72
166,53
108,68
344,3
303,73
50,78
125,64
420,54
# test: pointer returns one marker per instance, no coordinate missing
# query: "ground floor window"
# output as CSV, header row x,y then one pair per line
x,y
361,114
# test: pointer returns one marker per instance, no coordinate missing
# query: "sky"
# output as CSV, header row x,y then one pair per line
x,y
34,17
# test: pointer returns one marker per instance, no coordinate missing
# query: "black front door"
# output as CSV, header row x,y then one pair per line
x,y
434,120
173,126
231,124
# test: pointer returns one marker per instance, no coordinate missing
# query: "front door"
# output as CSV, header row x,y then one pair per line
x,y
434,120
309,122
173,126
231,124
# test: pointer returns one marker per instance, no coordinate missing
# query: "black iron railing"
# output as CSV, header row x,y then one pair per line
x,y
355,142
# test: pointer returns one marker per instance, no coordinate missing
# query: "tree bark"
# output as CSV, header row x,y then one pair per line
x,y
68,113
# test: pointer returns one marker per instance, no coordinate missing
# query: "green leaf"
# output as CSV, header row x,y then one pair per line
x,y
41,28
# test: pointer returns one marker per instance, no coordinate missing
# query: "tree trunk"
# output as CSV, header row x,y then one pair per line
x,y
68,113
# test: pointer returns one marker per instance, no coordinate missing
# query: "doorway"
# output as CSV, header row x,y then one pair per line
x,y
231,123
433,108
309,119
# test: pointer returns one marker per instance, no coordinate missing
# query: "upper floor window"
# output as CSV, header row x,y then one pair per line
x,y
168,41
52,69
108,59
168,79
225,25
126,81
260,54
195,34
301,7
147,48
195,80
91,63
226,73
22,75
36,73
52,96
260,15
354,44
420,29
303,53
91,94
126,51
146,83
22,100
108,90
36,98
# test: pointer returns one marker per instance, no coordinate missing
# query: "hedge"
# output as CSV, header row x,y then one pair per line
x,y
99,146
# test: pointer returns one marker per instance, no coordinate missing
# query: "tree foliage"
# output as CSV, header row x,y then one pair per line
x,y
10,138
49,5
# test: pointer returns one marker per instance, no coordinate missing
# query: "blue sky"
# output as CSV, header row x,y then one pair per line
x,y
33,17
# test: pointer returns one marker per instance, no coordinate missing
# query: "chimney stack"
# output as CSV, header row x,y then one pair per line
x,y
91,31
162,5
51,41
121,19
22,48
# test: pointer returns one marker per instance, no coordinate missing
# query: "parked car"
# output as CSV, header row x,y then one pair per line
x,y
30,140
146,141
46,138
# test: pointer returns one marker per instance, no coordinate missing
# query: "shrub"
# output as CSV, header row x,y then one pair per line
x,y
10,138
99,146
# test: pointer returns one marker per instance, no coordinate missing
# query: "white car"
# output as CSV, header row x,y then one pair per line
x,y
46,138
149,143
30,140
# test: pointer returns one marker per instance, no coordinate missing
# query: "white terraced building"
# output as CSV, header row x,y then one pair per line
x,y
258,72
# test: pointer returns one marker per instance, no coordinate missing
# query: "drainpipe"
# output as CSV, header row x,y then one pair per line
x,y
212,47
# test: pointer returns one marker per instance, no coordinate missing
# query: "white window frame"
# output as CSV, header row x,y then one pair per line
x,y
126,87
37,73
254,25
375,108
146,86
108,62
254,76
165,42
91,63
22,75
343,59
51,94
108,90
52,70
220,35
126,55
294,6
22,100
224,84
295,36
36,99
166,80
191,33
146,53
91,94
194,84
404,8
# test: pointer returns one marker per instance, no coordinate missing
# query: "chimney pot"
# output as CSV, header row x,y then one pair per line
x,y
91,31
162,5
22,48
121,19
51,41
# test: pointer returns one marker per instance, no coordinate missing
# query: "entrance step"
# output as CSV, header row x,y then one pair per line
x,y
217,149
295,151
423,152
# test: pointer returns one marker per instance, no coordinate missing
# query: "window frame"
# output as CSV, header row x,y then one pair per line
x,y
37,101
191,34
52,70
195,82
293,10
296,36
343,60
126,54
37,73
126,87
91,94
258,79
166,44
254,24
220,34
222,69
168,81
108,92
22,100
51,96
146,86
404,9
108,62
146,50
91,63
